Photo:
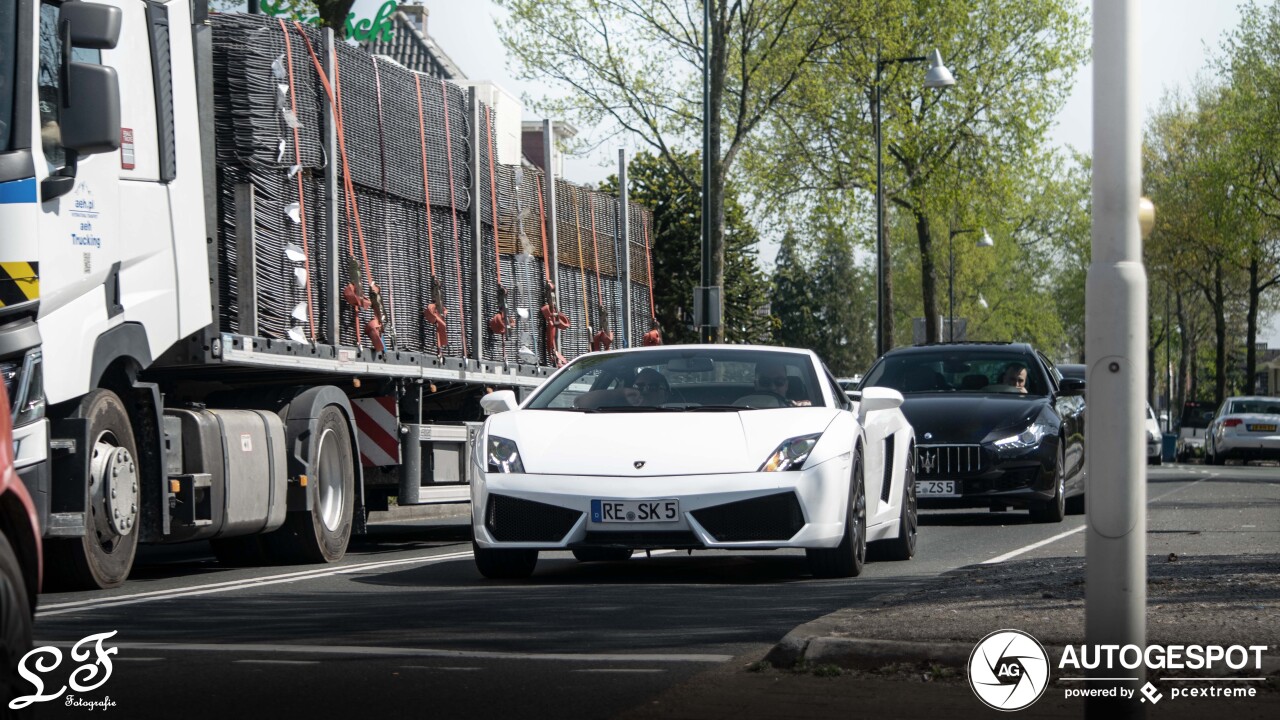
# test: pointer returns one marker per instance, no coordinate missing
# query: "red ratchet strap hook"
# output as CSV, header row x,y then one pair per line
x,y
374,326
499,323
353,294
603,339
555,321
654,336
436,313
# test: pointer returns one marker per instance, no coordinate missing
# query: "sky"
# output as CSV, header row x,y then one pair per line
x,y
1177,36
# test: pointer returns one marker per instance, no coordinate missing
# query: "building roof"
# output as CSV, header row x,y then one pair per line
x,y
412,47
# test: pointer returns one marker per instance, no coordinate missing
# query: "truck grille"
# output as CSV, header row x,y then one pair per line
x,y
772,517
948,460
512,519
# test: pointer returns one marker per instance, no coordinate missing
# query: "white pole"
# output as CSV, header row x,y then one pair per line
x,y
1115,337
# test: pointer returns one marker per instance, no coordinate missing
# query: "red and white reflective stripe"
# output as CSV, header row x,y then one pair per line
x,y
379,429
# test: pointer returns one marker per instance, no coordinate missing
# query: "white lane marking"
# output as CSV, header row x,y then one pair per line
x,y
1032,546
620,670
1028,548
99,603
276,662
373,651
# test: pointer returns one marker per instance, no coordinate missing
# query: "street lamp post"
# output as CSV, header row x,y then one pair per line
x,y
938,76
985,241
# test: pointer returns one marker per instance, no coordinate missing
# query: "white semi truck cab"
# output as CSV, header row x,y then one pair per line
x,y
239,304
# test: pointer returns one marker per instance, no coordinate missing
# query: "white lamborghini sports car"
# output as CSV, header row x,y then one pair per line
x,y
693,447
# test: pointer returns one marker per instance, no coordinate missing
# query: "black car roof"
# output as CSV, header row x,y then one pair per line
x,y
947,347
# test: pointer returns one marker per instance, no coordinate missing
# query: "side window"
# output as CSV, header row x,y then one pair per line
x,y
50,81
1055,377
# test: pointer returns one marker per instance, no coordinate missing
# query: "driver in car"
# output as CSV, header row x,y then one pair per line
x,y
771,378
1013,379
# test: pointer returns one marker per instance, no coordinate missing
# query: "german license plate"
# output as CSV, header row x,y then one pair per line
x,y
938,488
634,511
1270,427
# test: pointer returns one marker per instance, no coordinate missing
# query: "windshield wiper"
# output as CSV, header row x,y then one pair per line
x,y
721,408
568,409
637,408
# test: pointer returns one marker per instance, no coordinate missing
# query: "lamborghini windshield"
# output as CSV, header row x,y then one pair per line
x,y
682,380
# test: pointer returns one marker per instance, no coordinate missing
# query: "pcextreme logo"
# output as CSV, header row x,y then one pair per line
x,y
47,658
1008,670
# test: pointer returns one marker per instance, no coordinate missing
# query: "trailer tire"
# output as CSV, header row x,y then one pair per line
x,y
15,624
103,556
321,534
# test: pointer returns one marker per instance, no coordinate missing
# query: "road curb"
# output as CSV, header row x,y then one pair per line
x,y
864,654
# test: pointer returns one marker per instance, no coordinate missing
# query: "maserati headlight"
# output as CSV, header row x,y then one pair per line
x,y
791,454
1028,438
503,456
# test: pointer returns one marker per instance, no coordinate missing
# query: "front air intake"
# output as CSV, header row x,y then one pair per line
x,y
772,517
511,519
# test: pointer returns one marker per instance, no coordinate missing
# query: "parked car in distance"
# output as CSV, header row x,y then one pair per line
x,y
1247,428
1196,416
722,447
1154,437
849,385
20,561
996,426
1075,371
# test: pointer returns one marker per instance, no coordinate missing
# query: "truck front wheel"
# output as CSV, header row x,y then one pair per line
x,y
320,535
103,556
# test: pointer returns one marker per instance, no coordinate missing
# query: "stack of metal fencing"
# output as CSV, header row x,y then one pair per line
x,y
403,207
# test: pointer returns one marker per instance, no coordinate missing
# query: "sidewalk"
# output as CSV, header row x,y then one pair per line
x,y
905,657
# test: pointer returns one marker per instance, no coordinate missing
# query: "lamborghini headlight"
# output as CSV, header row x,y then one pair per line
x,y
503,456
1028,438
791,454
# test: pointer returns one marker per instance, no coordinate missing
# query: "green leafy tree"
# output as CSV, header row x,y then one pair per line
x,y
675,251
636,66
822,299
960,148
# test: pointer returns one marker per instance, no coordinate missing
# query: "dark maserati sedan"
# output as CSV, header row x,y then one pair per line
x,y
996,426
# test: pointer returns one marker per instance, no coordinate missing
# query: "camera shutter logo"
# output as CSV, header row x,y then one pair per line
x,y
1008,670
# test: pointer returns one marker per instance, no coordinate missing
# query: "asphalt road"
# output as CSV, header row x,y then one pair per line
x,y
405,627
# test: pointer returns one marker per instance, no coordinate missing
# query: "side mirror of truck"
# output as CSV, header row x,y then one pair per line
x,y
90,118
94,26
91,121
499,401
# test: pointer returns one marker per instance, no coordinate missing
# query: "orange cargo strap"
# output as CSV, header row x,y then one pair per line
x,y
302,200
603,337
654,336
435,312
453,208
499,323
351,293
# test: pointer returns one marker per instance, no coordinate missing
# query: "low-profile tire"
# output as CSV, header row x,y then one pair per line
x,y
503,563
103,556
602,554
1054,510
847,558
15,625
321,534
902,547
1156,460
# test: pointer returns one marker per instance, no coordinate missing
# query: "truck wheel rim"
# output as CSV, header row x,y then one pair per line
x,y
113,482
331,481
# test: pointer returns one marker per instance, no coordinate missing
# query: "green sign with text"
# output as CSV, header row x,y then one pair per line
x,y
362,30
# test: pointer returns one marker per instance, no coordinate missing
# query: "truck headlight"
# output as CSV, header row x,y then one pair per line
x,y
24,381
